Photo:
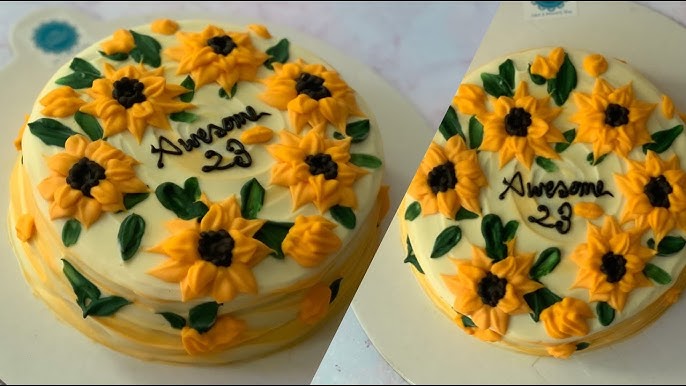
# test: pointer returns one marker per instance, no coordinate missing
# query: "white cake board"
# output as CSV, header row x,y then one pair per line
x,y
422,344
36,348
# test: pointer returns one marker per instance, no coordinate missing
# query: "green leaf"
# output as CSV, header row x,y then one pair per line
x,y
71,232
147,49
272,235
252,198
476,132
338,136
189,84
105,306
175,321
80,65
334,287
564,82
493,232
539,300
183,116
365,161
569,137
89,124
202,317
411,258
464,214
582,346
50,131
510,230
669,245
662,140
589,159
495,85
467,321
85,290
180,201
546,263
77,80
192,188
130,234
117,57
659,275
537,79
450,125
133,199
413,210
446,240
278,53
234,89
344,216
358,130
546,164
506,71
606,314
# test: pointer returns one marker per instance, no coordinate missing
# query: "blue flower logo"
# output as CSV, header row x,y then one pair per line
x,y
55,37
548,5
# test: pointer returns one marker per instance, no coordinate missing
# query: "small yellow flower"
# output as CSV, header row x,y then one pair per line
x,y
213,257
61,102
164,26
656,194
448,179
548,67
470,99
121,42
260,30
215,55
611,263
257,134
567,318
25,227
315,305
595,65
132,98
311,240
521,127
588,210
562,351
610,119
226,332
89,178
312,94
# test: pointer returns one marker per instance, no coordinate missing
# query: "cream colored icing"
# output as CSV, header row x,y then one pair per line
x,y
271,313
423,230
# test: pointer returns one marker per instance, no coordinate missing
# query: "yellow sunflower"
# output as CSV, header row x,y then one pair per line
x,y
656,194
610,119
611,263
89,178
448,179
131,98
316,169
490,292
214,256
521,127
215,55
226,332
312,94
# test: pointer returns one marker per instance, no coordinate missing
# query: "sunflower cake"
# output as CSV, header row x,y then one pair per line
x,y
547,215
196,192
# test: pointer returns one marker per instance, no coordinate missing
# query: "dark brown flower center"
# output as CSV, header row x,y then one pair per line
x,y
128,92
216,247
616,115
312,86
491,289
84,175
517,122
614,267
221,45
658,190
442,177
322,164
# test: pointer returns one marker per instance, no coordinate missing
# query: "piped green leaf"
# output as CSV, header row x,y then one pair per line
x,y
189,84
446,240
278,53
133,199
183,202
493,232
130,234
467,321
203,316
344,216
252,199
77,80
656,273
592,162
230,94
411,258
569,137
495,85
537,79
50,131
539,300
662,140
464,214
335,287
510,230
606,314
564,82
506,71
546,164
183,116
175,321
272,235
71,232
365,161
450,125
358,130
545,264
582,346
476,132
413,210
85,291
117,57
105,306
147,49
669,245
89,124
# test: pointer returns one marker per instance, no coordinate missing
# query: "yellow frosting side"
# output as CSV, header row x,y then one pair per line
x,y
121,42
260,30
25,227
164,26
384,202
667,107
257,134
588,210
311,240
595,65
548,67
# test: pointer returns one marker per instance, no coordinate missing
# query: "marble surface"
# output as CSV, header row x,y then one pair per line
x,y
421,48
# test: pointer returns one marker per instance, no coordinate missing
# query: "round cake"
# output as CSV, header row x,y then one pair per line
x,y
196,192
547,215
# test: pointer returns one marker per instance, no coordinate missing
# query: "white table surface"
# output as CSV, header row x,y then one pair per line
x,y
422,49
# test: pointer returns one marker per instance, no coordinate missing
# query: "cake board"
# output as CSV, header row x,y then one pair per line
x,y
36,348
422,344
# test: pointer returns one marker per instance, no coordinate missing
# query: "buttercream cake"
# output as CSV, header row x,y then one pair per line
x,y
196,192
547,215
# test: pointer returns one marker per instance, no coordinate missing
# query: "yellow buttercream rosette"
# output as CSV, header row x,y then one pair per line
x,y
567,318
311,240
315,304
225,333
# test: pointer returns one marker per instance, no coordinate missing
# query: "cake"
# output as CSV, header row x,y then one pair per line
x,y
196,192
547,215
